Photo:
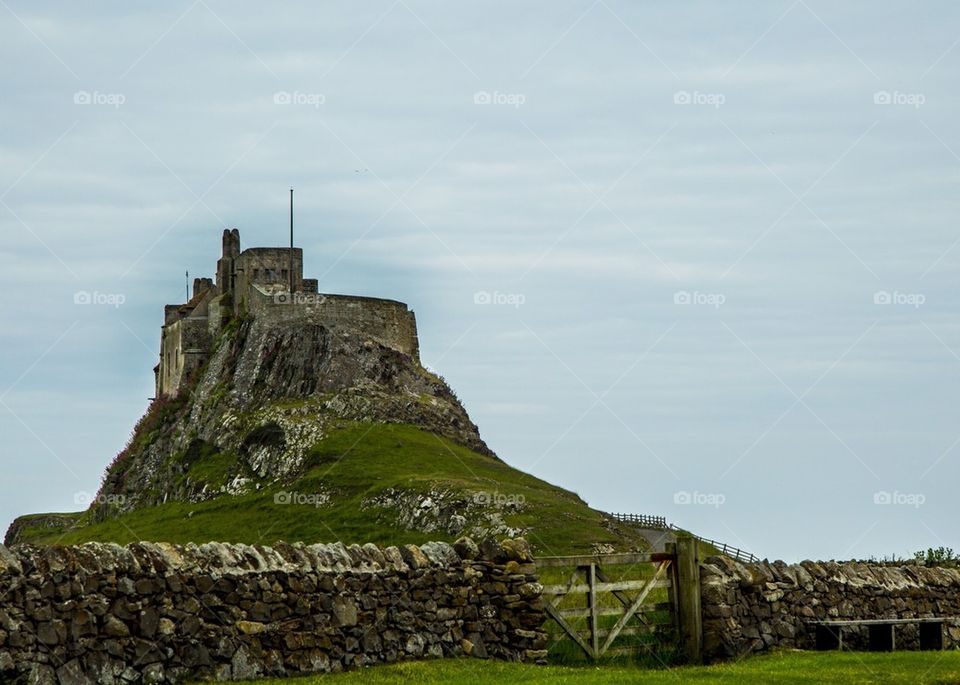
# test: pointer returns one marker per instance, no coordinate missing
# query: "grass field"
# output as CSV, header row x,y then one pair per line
x,y
800,668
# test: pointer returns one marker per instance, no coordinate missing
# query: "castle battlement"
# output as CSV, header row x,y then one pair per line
x,y
268,284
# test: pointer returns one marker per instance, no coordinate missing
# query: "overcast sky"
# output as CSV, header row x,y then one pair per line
x,y
683,259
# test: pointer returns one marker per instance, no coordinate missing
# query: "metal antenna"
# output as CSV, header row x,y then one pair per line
x,y
291,241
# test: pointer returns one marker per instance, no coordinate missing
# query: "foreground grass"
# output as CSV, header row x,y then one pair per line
x,y
802,668
353,464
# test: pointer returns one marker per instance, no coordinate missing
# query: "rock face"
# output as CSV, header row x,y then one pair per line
x,y
159,613
269,392
753,607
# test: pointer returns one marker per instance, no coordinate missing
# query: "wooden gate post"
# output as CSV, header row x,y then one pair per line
x,y
592,604
688,594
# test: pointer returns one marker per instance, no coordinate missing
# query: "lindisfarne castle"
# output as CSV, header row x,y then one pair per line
x,y
268,283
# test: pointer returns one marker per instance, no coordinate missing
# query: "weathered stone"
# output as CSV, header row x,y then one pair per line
x,y
440,553
344,612
466,549
166,627
114,627
9,563
243,666
153,674
251,627
41,674
415,644
72,673
49,633
414,557
149,619
516,550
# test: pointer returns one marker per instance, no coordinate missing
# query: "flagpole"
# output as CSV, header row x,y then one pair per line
x,y
291,241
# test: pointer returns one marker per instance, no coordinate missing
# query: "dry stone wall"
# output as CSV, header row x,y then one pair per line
x,y
160,613
753,607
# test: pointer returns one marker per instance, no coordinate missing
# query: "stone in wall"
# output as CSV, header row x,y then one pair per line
x,y
160,613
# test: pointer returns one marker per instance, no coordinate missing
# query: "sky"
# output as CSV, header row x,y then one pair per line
x,y
685,259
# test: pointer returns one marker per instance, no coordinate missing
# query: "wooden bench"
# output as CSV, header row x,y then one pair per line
x,y
882,632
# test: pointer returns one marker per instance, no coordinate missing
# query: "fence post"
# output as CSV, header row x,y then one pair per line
x,y
688,572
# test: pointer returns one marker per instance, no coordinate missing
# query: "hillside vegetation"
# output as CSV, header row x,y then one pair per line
x,y
299,431
365,482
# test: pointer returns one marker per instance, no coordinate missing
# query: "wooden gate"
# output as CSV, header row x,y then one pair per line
x,y
611,596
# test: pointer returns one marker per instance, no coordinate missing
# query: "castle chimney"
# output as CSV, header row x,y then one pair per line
x,y
201,285
225,268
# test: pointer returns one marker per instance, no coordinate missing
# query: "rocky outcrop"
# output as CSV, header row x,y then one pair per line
x,y
159,613
454,512
754,607
270,391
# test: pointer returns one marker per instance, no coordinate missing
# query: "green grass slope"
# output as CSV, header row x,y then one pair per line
x,y
357,463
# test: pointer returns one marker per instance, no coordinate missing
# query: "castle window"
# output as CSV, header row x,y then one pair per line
x,y
283,274
269,274
256,274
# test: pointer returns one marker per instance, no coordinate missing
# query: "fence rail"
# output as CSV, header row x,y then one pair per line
x,y
660,522
728,550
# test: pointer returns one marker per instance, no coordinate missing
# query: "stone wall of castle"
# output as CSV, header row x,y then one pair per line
x,y
388,322
184,347
258,280
754,607
159,613
266,266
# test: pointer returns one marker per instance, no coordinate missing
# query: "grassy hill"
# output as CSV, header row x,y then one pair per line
x,y
364,482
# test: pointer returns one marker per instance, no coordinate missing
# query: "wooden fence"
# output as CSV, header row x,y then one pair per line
x,y
642,520
617,606
660,522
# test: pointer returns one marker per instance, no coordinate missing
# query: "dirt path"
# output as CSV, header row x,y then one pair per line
x,y
657,537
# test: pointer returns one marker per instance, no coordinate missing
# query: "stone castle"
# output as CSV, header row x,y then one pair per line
x,y
267,282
